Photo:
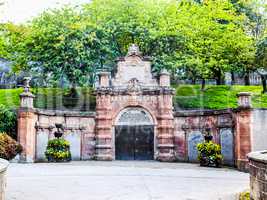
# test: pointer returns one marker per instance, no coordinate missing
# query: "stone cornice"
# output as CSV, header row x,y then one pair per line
x,y
143,91
191,113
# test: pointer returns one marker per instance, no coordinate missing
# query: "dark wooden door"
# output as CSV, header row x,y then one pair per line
x,y
134,142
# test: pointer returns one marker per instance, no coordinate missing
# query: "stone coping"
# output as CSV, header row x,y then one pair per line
x,y
185,113
241,94
64,113
3,165
259,156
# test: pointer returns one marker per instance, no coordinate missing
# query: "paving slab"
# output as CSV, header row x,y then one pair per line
x,y
123,180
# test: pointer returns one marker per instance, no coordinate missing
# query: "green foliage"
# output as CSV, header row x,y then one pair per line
x,y
209,153
244,196
187,97
57,98
8,121
9,148
58,150
261,55
75,43
216,97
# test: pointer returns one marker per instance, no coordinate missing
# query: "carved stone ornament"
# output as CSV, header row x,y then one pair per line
x,y
134,116
26,84
134,86
134,50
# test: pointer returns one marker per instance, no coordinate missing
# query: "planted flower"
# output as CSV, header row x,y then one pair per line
x,y
209,154
58,150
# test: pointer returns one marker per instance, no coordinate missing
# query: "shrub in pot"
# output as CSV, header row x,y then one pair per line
x,y
209,154
58,150
9,147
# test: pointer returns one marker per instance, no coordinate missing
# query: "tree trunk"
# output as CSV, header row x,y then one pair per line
x,y
218,76
218,81
246,79
233,78
263,80
203,84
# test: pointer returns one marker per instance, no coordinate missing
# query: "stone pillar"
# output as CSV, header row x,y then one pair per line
x,y
164,78
165,127
103,126
26,124
104,79
3,167
243,130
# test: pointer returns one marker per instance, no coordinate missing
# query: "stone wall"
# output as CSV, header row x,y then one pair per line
x,y
258,175
79,130
188,132
3,168
259,129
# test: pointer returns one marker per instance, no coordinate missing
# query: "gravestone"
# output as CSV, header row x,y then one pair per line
x,y
75,144
227,146
41,144
195,137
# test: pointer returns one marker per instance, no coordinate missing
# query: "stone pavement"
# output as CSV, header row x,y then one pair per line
x,y
123,180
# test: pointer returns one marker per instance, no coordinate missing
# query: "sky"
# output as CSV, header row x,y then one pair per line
x,y
20,11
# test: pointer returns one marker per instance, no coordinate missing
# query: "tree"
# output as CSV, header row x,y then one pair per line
x,y
261,60
255,25
178,35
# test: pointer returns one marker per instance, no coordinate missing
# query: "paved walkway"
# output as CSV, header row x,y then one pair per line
x,y
122,181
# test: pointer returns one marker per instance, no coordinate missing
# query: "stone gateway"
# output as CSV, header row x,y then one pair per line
x,y
135,120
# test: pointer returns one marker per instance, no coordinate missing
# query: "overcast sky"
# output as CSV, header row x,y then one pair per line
x,y
19,11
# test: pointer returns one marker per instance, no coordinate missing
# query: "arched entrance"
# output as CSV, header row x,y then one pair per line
x,y
134,135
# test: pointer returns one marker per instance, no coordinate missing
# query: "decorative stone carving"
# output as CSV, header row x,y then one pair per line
x,y
26,98
134,86
134,116
134,66
133,50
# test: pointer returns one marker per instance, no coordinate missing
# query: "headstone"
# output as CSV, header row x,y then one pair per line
x,y
41,144
228,78
194,138
75,144
227,146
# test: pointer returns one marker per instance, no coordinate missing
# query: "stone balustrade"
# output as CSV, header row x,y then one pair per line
x,y
3,168
258,175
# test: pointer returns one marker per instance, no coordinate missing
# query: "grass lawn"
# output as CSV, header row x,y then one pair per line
x,y
187,97
216,97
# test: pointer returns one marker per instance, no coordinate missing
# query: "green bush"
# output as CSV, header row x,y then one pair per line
x,y
209,154
9,148
8,121
244,196
58,150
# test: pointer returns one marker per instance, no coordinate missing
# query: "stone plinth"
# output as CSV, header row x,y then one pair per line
x,y
244,100
258,175
3,168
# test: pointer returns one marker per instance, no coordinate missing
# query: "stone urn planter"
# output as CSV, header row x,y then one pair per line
x,y
258,175
3,167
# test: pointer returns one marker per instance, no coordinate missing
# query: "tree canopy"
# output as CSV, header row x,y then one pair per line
x,y
201,39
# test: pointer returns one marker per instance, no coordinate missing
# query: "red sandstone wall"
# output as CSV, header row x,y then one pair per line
x,y
191,122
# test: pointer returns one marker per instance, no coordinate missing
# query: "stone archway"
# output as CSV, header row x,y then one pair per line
x,y
134,135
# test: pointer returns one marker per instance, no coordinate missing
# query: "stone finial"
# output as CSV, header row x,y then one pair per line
x,y
244,100
133,50
104,79
164,79
26,84
26,98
